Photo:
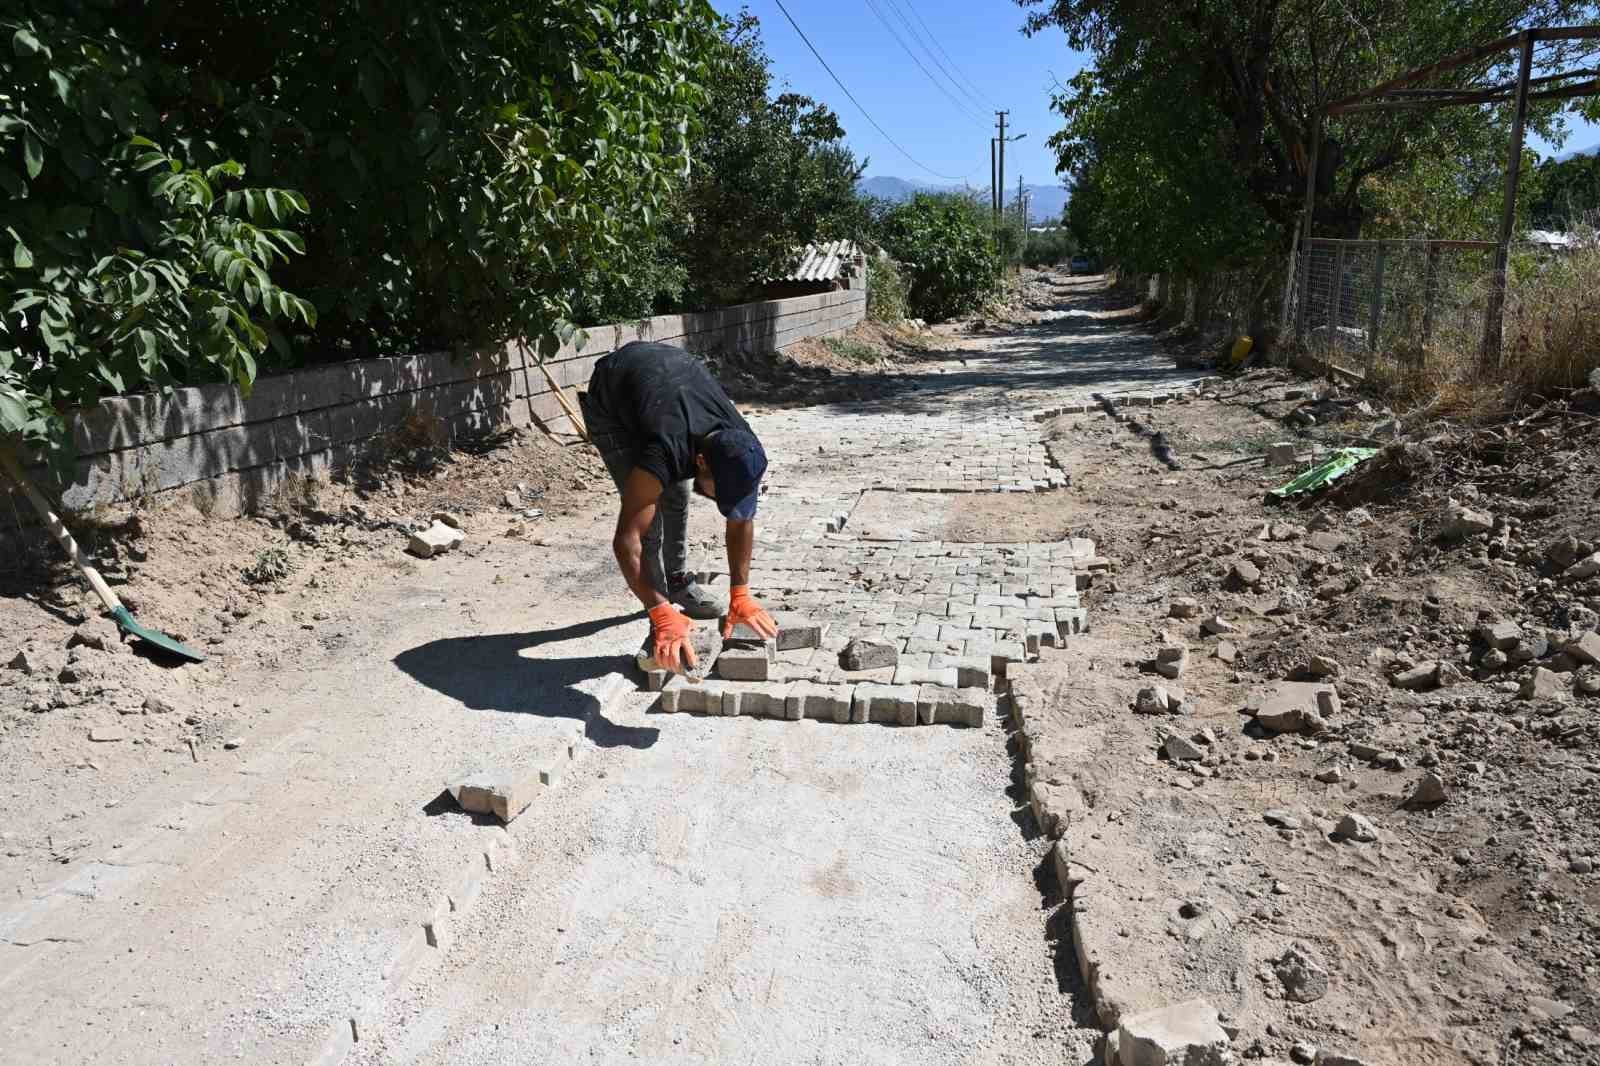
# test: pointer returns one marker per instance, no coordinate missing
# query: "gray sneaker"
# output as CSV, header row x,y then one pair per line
x,y
692,596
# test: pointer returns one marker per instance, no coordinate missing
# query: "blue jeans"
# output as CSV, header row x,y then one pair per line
x,y
666,543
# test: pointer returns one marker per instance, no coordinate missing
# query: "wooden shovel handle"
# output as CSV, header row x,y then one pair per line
x,y
13,469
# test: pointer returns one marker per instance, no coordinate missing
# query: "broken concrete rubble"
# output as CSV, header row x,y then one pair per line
x,y
1459,521
1302,974
1295,707
1184,1034
435,540
1355,827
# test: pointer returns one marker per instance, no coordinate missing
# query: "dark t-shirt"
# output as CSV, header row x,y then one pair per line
x,y
666,400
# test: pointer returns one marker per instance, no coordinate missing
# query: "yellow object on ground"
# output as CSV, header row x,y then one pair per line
x,y
1241,350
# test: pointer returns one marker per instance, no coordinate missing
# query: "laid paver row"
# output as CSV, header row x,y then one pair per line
x,y
956,615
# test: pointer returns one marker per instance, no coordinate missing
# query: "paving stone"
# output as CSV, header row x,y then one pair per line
x,y
744,664
827,703
906,674
892,704
764,700
706,640
943,705
503,792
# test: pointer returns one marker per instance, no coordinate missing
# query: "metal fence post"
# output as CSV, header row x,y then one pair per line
x,y
1430,296
1375,314
1494,313
1336,292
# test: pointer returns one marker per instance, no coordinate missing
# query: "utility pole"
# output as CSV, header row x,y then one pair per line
x,y
994,182
1022,210
1000,172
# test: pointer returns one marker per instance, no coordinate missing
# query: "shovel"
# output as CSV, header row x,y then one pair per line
x,y
123,617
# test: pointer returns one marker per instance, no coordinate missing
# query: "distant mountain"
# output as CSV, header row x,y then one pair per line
x,y
1045,202
1593,149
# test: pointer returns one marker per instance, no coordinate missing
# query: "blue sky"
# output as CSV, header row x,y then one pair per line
x,y
981,40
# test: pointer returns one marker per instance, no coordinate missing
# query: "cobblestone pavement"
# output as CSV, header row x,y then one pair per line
x,y
839,544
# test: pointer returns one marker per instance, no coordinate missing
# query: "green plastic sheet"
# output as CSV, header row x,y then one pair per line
x,y
1329,470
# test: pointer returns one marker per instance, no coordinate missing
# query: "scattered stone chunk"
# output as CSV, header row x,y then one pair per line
x,y
1543,684
1227,651
1323,666
21,663
1171,661
1586,649
1184,607
450,519
1583,569
868,654
1357,828
1181,749
1185,1034
1304,978
1296,707
1217,625
157,705
1422,676
1460,521
107,734
435,540
1152,700
1281,819
1338,1058
1331,776
1244,574
1501,635
1428,791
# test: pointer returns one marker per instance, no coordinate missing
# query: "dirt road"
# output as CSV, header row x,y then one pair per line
x,y
692,889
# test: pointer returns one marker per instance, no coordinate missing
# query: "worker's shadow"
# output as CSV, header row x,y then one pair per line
x,y
494,673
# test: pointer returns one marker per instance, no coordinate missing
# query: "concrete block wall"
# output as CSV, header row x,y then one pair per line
x,y
231,451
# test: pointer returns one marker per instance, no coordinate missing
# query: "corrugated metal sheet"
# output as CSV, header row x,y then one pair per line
x,y
824,262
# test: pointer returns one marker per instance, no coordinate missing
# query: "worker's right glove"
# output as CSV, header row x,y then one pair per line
x,y
672,629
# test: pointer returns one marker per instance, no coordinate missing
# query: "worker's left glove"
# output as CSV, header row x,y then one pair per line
x,y
742,607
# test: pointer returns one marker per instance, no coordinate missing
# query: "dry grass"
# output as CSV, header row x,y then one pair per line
x,y
1551,342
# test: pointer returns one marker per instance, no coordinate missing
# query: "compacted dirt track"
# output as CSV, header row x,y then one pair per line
x,y
690,889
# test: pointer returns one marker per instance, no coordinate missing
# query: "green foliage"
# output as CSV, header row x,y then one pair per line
x,y
770,174
943,243
123,264
853,350
467,166
886,291
1048,248
1569,192
1193,127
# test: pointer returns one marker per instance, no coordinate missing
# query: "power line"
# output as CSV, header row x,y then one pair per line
x,y
986,101
864,112
936,83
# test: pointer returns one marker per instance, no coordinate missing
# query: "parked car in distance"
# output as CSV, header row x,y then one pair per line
x,y
1079,264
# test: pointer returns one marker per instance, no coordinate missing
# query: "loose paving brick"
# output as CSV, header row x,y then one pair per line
x,y
890,704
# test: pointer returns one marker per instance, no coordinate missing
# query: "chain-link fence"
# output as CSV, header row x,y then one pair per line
x,y
1400,300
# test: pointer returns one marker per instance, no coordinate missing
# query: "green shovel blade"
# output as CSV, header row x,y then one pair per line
x,y
127,623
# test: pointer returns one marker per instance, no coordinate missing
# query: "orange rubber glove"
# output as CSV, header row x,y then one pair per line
x,y
743,608
672,637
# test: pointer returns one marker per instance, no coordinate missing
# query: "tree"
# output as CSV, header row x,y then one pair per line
x,y
770,174
1204,112
1569,193
944,245
461,168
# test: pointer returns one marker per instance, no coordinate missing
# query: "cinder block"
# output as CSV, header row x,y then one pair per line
x,y
939,705
892,704
744,664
